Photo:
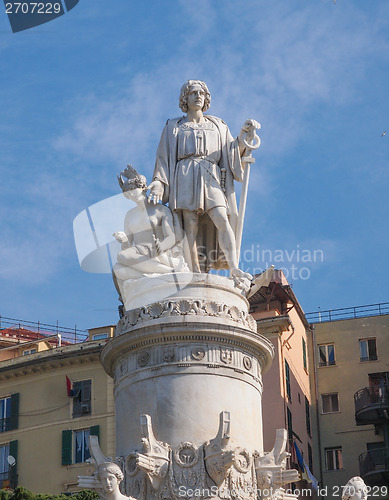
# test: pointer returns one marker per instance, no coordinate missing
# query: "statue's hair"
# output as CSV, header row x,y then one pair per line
x,y
112,468
133,179
185,89
350,488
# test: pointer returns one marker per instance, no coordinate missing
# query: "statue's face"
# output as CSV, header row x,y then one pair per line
x,y
196,98
360,492
109,481
136,194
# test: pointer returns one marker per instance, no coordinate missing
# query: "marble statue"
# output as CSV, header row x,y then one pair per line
x,y
355,489
196,164
105,481
148,240
109,475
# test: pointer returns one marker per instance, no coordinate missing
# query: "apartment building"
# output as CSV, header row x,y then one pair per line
x,y
53,395
349,364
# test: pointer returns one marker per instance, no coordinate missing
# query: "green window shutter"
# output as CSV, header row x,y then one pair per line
x,y
95,430
67,437
14,418
305,355
13,451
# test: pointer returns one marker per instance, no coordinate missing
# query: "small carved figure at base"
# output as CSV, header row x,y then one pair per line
x,y
109,476
355,489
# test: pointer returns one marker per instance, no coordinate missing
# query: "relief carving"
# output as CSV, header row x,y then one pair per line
x,y
218,458
143,359
158,473
198,353
184,307
226,355
271,469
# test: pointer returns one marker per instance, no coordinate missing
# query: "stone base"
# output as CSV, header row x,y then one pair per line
x,y
150,289
185,359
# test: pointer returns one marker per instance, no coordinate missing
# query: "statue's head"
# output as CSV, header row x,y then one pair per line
x,y
129,179
265,478
355,489
185,89
110,476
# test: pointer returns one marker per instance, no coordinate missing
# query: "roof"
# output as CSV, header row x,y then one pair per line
x,y
21,335
272,285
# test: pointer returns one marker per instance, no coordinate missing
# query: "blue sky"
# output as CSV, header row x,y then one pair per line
x,y
87,93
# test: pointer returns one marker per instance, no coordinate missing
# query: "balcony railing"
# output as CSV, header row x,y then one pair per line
x,y
8,479
70,335
371,405
327,363
348,313
374,466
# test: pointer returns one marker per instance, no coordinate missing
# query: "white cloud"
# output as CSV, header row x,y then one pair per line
x,y
274,65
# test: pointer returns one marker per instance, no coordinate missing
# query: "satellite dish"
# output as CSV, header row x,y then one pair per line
x,y
11,460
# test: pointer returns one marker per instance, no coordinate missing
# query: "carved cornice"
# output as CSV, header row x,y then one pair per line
x,y
185,307
197,331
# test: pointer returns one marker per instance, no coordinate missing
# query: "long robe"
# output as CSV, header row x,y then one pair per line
x,y
197,164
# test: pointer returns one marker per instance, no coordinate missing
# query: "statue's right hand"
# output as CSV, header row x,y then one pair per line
x,y
120,236
156,191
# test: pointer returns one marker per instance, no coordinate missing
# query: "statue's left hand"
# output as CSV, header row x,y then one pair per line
x,y
156,191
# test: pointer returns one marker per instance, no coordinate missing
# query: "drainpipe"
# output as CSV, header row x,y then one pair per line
x,y
317,401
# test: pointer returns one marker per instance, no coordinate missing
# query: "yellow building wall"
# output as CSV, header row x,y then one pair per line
x,y
346,378
45,410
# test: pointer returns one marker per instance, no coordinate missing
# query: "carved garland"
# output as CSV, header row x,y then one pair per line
x,y
185,307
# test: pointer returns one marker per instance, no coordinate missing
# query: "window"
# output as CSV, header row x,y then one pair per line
x,y
305,355
9,412
75,445
310,458
290,425
287,380
327,355
8,473
80,446
334,459
100,336
82,404
29,351
330,403
368,349
5,413
307,416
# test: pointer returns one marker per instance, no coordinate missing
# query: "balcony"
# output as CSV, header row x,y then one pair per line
x,y
371,406
374,467
8,479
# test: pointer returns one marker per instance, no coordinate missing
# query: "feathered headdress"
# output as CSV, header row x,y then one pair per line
x,y
130,179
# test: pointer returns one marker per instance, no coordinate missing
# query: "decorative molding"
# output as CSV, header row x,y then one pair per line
x,y
185,307
159,472
198,353
184,355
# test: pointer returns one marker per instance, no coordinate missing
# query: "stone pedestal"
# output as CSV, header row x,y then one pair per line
x,y
189,361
